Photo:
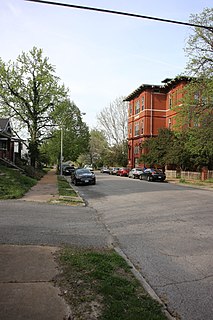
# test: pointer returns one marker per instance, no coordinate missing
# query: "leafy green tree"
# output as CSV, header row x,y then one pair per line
x,y
199,47
29,93
98,151
70,131
199,145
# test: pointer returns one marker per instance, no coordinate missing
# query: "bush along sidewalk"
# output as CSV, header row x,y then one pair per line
x,y
99,284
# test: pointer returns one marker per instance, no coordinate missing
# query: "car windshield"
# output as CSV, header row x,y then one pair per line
x,y
80,171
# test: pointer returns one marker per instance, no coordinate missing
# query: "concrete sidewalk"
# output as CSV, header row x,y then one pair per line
x,y
27,272
26,284
45,190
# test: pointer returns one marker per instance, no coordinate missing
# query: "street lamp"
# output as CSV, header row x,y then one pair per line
x,y
61,154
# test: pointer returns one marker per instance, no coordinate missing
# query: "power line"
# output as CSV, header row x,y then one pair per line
x,y
134,15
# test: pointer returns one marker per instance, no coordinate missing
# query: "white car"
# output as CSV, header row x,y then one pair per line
x,y
135,173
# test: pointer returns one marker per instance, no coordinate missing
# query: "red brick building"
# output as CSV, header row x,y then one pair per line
x,y
150,108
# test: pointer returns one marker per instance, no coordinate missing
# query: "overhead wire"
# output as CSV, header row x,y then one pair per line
x,y
134,15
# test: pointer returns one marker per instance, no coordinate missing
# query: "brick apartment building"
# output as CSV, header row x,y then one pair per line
x,y
150,108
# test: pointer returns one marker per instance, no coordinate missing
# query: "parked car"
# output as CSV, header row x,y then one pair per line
x,y
83,176
67,170
105,170
114,170
135,173
123,172
151,174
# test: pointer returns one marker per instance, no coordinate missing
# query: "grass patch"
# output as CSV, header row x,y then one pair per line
x,y
100,285
64,188
206,183
13,184
67,194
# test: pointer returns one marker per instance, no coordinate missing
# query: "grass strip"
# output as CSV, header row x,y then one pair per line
x,y
64,188
99,284
13,184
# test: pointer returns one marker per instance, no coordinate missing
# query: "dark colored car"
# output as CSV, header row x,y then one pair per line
x,y
123,172
67,170
152,175
114,170
83,176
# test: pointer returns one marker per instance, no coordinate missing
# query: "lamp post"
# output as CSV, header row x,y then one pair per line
x,y
61,154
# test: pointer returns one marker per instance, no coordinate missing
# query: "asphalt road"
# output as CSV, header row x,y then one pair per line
x,y
164,229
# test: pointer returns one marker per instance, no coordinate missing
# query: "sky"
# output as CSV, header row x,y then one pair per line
x,y
98,56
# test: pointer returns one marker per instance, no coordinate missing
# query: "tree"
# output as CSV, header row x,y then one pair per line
x,y
97,154
199,46
195,113
29,93
113,120
70,131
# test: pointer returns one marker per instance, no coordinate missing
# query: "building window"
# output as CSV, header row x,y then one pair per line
x,y
143,103
136,149
137,107
130,109
170,101
142,127
137,130
3,145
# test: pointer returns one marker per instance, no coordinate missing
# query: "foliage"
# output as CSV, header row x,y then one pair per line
x,y
199,47
75,134
190,149
29,92
195,113
113,121
100,285
98,150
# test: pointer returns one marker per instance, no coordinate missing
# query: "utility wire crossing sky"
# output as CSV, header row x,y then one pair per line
x,y
134,15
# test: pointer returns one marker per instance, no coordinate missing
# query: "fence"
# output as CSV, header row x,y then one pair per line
x,y
188,175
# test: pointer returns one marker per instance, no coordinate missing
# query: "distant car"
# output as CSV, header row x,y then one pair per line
x,y
67,170
135,173
105,170
151,174
89,167
83,176
122,172
114,170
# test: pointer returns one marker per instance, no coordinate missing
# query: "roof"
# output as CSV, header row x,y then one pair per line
x,y
142,88
5,127
3,123
167,84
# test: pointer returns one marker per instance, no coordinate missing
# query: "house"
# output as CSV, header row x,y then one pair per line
x,y
150,108
10,147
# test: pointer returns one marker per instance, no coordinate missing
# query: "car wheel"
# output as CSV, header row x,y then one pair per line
x,y
149,179
140,177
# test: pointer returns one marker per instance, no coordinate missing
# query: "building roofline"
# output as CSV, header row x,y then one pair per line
x,y
140,89
167,83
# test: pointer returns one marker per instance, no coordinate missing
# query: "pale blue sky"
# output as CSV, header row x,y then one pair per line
x,y
98,56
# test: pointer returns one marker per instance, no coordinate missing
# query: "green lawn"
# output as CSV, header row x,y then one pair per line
x,y
14,184
100,285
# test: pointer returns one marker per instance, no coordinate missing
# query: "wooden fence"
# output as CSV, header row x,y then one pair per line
x,y
188,175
